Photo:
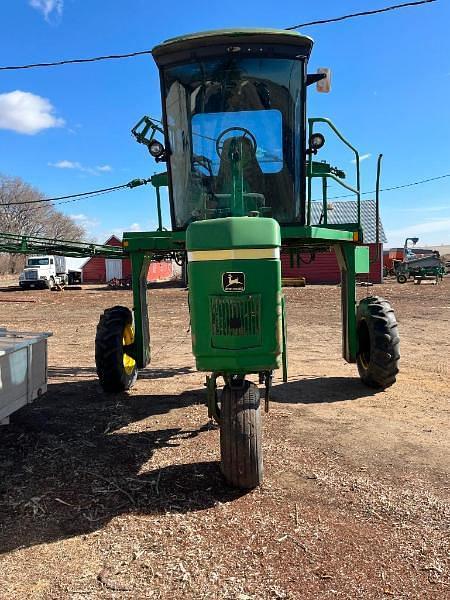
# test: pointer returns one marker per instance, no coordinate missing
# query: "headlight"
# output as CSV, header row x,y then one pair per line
x,y
156,149
42,277
316,141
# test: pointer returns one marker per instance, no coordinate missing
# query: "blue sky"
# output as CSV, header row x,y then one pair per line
x,y
67,129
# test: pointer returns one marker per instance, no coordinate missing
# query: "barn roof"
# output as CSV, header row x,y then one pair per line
x,y
345,212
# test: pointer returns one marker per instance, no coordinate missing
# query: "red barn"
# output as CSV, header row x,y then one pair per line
x,y
102,270
324,267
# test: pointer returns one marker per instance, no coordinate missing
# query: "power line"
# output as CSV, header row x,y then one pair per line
x,y
79,196
83,195
361,14
73,61
88,197
144,52
395,187
137,182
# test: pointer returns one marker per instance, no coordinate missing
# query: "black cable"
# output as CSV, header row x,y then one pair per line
x,y
73,196
87,197
75,61
143,52
361,14
395,187
93,193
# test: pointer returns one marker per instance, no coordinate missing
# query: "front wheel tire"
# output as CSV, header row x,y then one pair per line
x,y
378,342
241,436
116,370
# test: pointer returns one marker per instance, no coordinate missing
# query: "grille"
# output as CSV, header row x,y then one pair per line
x,y
31,275
239,316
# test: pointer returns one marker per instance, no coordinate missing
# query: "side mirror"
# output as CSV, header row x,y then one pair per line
x,y
324,84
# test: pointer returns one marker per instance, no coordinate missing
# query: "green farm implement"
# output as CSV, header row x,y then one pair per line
x,y
240,169
426,267
240,153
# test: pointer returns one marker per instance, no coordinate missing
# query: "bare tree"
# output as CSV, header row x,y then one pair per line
x,y
40,219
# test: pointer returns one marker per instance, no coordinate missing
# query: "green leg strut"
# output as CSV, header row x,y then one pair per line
x,y
139,266
345,254
284,326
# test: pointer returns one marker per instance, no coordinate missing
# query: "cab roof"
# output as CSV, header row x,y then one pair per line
x,y
272,39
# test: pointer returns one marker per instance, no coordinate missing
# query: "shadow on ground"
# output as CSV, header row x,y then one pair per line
x,y
317,390
151,373
66,468
11,288
151,285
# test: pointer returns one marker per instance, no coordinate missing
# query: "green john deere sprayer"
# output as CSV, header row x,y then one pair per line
x,y
239,153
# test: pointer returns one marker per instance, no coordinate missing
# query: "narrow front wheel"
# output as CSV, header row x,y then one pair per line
x,y
241,436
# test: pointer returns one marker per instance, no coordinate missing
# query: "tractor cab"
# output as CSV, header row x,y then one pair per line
x,y
234,124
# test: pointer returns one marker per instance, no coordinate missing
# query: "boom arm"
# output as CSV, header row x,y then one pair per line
x,y
27,244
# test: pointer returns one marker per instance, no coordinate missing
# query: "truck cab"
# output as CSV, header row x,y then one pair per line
x,y
44,272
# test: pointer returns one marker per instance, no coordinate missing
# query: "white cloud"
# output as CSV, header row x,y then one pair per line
x,y
89,223
361,158
431,232
424,209
70,164
27,113
48,7
66,164
104,234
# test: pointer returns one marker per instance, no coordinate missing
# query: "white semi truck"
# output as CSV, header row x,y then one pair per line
x,y
44,272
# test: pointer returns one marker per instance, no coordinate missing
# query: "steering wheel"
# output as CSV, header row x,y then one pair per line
x,y
249,134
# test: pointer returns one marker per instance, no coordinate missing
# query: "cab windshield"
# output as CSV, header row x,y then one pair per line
x,y
235,127
35,262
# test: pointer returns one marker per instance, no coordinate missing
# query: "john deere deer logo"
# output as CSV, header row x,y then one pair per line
x,y
233,282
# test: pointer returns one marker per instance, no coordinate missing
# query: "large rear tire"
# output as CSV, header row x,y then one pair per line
x,y
241,436
378,342
116,370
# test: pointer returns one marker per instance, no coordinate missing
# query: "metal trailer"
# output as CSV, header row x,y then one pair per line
x,y
426,266
23,370
60,264
74,276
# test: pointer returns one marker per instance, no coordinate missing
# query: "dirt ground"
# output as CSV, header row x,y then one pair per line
x,y
121,496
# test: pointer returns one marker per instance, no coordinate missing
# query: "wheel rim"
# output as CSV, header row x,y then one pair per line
x,y
128,338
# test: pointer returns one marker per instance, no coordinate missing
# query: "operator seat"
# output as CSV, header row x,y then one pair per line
x,y
252,173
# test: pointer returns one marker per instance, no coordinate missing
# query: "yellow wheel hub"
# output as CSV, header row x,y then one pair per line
x,y
364,361
129,363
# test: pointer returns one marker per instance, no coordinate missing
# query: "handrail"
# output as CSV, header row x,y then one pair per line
x,y
377,209
345,185
356,190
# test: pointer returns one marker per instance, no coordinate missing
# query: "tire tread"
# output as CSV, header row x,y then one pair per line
x,y
241,436
384,342
109,350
